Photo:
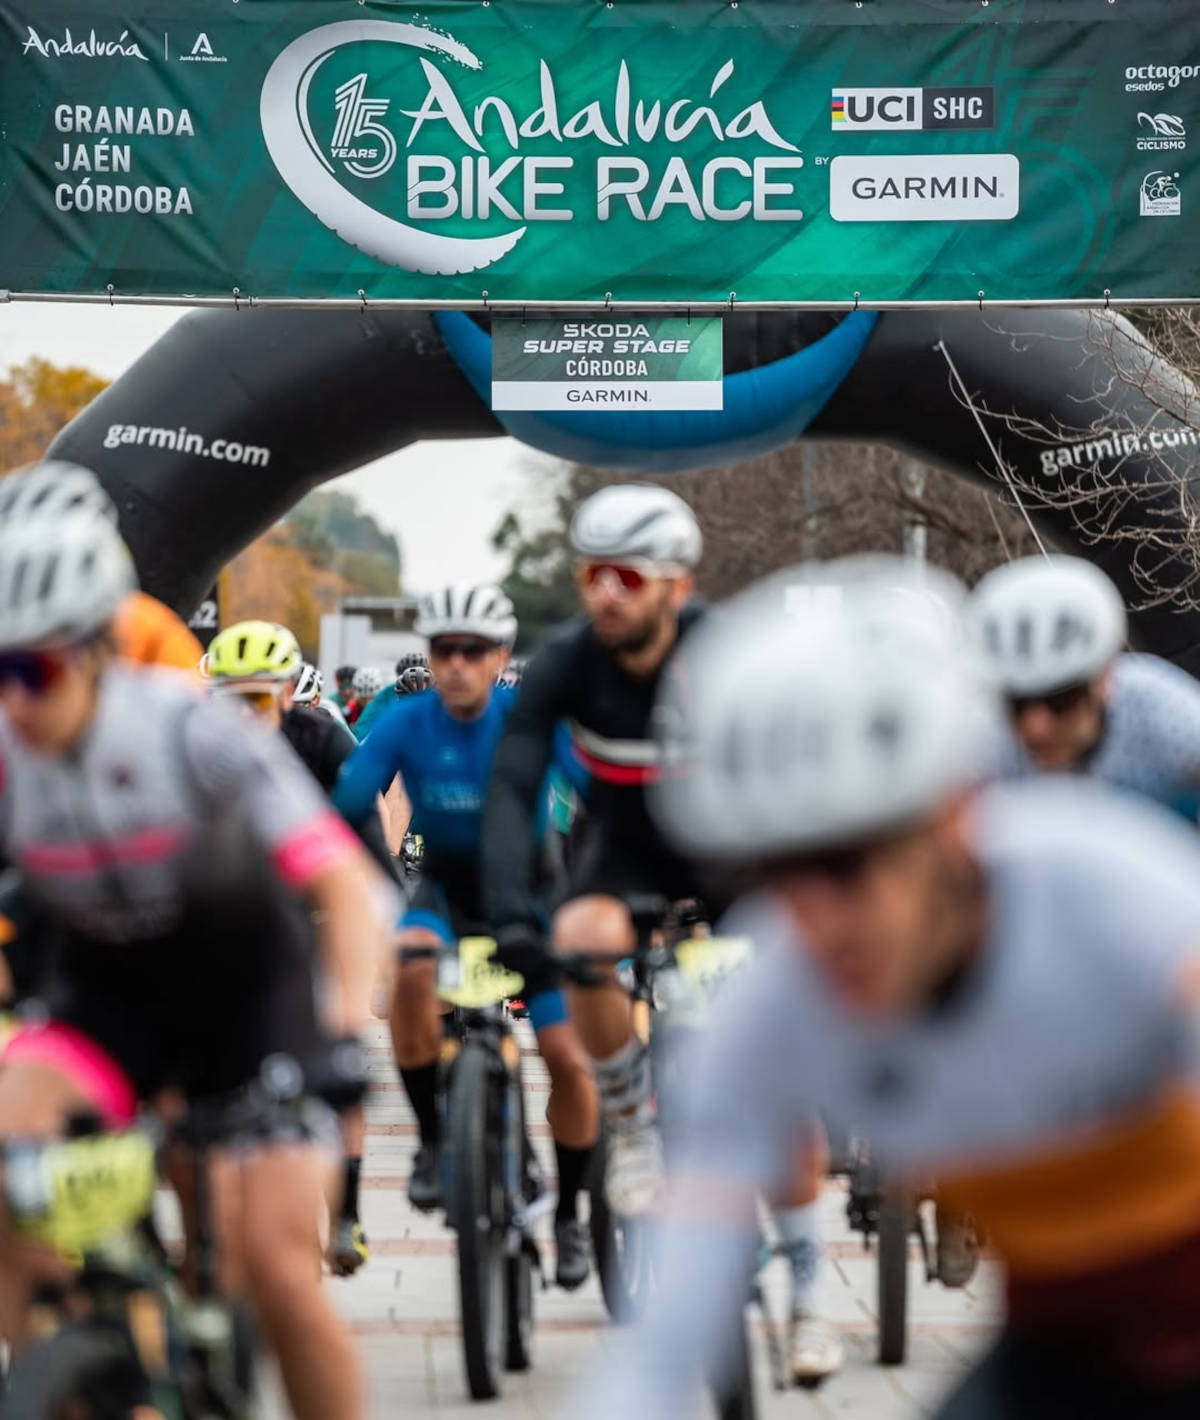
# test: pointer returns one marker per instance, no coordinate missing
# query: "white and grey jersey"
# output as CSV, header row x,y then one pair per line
x,y
1151,739
107,837
1076,1023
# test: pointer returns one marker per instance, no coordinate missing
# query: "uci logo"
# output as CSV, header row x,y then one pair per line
x,y
900,109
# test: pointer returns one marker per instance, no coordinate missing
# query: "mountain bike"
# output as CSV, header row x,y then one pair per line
x,y
675,975
121,1336
890,1212
491,1181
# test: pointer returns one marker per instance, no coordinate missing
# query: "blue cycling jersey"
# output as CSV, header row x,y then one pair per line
x,y
445,764
373,711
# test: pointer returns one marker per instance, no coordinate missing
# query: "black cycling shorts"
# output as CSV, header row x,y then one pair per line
x,y
200,1008
606,866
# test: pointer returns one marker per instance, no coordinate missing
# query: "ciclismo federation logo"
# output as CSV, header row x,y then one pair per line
x,y
1161,133
1159,195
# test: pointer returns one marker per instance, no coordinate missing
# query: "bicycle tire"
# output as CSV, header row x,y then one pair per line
x,y
518,1275
895,1225
737,1400
518,1286
476,1214
621,1247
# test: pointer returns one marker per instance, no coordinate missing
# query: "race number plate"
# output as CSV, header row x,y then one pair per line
x,y
471,979
708,964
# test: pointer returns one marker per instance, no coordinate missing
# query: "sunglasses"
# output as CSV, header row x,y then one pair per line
x,y
34,671
626,577
1058,702
446,648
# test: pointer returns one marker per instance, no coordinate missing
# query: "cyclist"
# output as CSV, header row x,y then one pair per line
x,y
637,546
261,663
442,745
308,693
1051,630
172,844
343,687
368,682
146,631
412,675
999,988
414,680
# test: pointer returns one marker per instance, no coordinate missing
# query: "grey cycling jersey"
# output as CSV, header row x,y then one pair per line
x,y
1151,740
1055,1097
109,836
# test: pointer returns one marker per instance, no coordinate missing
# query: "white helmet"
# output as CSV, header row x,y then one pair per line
x,y
309,684
468,609
1044,623
368,681
61,579
638,520
50,489
825,705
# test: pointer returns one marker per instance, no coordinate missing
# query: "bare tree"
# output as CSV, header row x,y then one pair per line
x,y
1125,472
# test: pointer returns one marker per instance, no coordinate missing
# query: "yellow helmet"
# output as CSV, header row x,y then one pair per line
x,y
253,655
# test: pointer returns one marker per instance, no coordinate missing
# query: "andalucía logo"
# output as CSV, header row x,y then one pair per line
x,y
361,142
86,46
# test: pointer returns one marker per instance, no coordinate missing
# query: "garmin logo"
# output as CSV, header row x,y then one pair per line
x,y
943,187
89,48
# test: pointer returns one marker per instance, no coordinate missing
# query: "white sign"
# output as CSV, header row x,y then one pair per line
x,y
942,187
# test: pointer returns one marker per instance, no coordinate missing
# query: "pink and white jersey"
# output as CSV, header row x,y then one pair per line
x,y
109,837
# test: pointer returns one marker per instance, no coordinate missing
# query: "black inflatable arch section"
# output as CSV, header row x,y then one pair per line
x,y
327,391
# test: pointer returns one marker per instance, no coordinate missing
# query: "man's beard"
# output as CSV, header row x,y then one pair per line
x,y
634,639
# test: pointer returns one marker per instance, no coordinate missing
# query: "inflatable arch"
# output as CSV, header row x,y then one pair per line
x,y
232,416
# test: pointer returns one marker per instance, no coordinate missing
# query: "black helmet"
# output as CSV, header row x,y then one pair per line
x,y
344,673
413,680
410,659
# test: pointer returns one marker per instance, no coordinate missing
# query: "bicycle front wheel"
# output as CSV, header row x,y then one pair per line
x,y
476,1212
895,1225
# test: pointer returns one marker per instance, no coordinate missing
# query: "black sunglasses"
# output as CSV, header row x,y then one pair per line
x,y
1058,702
446,647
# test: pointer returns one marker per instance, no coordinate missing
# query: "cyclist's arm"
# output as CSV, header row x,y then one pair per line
x,y
336,746
235,763
514,794
371,767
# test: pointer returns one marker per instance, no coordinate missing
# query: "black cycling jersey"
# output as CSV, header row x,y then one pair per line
x,y
575,681
324,746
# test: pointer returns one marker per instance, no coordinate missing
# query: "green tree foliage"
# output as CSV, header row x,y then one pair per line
x,y
336,534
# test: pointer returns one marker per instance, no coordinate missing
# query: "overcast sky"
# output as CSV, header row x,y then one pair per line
x,y
441,499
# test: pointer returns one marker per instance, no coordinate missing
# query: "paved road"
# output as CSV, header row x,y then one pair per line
x,y
403,1306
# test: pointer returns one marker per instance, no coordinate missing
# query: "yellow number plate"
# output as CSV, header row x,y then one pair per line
x,y
97,1187
472,980
709,962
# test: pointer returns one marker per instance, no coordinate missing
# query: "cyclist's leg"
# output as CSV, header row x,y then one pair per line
x,y
816,1351
416,1028
282,1191
595,919
574,1117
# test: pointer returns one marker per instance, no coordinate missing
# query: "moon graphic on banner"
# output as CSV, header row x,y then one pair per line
x,y
283,112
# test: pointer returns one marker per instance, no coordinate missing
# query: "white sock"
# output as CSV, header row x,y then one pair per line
x,y
623,1080
800,1230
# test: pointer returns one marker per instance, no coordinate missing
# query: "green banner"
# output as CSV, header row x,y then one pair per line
x,y
652,362
643,151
